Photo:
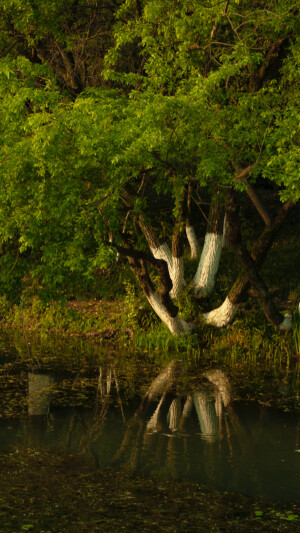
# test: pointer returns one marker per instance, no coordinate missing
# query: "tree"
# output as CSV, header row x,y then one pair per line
x,y
72,38
232,91
207,101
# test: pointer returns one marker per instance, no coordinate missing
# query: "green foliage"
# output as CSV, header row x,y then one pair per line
x,y
191,90
137,314
189,306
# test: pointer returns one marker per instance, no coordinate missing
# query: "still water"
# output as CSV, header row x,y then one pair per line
x,y
198,435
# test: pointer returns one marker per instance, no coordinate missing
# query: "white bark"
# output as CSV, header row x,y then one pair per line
x,y
165,380
193,242
164,252
218,405
176,325
177,276
104,387
175,267
204,279
223,315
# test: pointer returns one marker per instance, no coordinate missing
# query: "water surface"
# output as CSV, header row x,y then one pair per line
x,y
202,435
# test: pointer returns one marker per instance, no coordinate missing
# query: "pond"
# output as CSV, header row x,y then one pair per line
x,y
109,416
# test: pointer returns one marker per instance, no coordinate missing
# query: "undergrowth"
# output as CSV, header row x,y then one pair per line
x,y
249,340
33,314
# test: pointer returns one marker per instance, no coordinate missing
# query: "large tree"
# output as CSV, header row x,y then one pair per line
x,y
196,98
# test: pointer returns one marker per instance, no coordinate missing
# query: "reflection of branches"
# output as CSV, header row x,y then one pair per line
x,y
138,434
163,384
207,416
104,387
103,401
159,431
221,382
161,414
119,396
186,412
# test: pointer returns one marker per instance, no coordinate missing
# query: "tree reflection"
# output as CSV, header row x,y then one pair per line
x,y
165,413
40,389
173,432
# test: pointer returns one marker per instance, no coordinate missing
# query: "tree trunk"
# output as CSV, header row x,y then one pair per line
x,y
160,302
177,274
193,241
174,415
204,279
176,325
161,251
164,383
190,231
236,242
224,314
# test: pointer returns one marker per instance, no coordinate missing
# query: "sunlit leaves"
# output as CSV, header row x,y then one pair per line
x,y
200,97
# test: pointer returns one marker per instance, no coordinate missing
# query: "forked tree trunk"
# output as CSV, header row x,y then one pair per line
x,y
236,242
161,251
204,279
222,389
224,314
160,302
176,325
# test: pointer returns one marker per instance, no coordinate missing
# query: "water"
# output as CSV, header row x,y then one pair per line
x,y
200,435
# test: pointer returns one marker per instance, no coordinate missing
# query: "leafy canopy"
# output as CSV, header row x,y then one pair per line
x,y
193,90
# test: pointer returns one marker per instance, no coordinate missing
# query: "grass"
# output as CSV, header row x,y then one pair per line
x,y
85,317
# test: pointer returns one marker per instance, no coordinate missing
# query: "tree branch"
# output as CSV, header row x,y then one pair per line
x,y
253,195
235,239
259,251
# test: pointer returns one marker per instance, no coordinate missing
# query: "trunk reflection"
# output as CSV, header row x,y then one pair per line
x,y
199,435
